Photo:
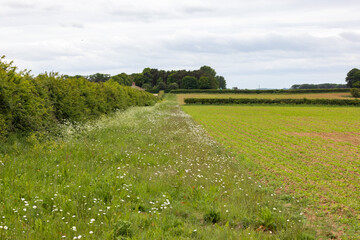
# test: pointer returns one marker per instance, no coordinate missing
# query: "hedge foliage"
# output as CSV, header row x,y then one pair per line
x,y
355,92
219,101
276,91
38,103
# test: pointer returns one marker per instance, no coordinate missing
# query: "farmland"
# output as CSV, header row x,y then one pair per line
x,y
340,95
144,173
309,152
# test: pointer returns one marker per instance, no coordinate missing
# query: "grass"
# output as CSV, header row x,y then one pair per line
x,y
309,152
181,97
146,173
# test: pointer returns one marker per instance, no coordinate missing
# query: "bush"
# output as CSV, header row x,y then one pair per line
x,y
355,92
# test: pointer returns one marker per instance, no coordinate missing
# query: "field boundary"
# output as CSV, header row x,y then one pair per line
x,y
247,91
226,101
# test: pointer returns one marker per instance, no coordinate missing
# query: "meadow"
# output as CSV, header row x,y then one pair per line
x,y
310,152
143,173
340,95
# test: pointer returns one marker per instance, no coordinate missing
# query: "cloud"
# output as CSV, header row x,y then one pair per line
x,y
258,40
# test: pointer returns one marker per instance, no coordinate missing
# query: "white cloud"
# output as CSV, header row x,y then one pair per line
x,y
271,43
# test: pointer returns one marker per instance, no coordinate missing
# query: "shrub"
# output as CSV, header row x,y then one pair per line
x,y
355,92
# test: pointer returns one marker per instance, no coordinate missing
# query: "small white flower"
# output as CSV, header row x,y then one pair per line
x,y
5,227
73,228
91,232
34,207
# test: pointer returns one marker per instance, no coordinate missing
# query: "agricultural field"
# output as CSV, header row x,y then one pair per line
x,y
340,95
144,173
310,152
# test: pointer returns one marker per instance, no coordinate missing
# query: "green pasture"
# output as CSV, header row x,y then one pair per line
x,y
310,152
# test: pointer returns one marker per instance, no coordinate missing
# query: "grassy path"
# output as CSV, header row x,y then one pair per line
x,y
146,173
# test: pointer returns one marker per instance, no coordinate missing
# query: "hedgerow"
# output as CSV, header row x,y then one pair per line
x,y
342,102
355,92
276,91
39,103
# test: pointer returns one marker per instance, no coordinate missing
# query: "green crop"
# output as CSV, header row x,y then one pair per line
x,y
310,152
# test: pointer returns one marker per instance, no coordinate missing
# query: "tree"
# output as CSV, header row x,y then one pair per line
x,y
221,81
207,71
161,86
122,79
99,77
204,83
210,73
173,86
146,86
352,77
189,82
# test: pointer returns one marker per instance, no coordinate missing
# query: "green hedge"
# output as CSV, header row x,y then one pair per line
x,y
355,92
30,103
219,101
247,91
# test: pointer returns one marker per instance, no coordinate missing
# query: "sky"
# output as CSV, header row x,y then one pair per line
x,y
253,44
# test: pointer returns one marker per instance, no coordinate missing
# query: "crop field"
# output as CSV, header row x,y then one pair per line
x,y
145,173
309,152
181,97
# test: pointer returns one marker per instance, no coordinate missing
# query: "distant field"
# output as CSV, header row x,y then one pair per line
x,y
181,97
309,152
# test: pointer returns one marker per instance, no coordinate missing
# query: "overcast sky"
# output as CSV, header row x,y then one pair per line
x,y
266,43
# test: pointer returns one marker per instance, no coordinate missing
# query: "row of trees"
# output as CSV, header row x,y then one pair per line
x,y
318,86
152,78
29,103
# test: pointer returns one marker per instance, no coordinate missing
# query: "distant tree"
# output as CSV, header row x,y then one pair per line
x,y
146,86
221,81
99,77
171,78
204,82
122,79
318,86
189,82
138,79
173,86
147,76
356,85
352,77
207,71
161,86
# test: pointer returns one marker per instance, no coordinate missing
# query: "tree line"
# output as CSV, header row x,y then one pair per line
x,y
38,103
318,86
152,78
